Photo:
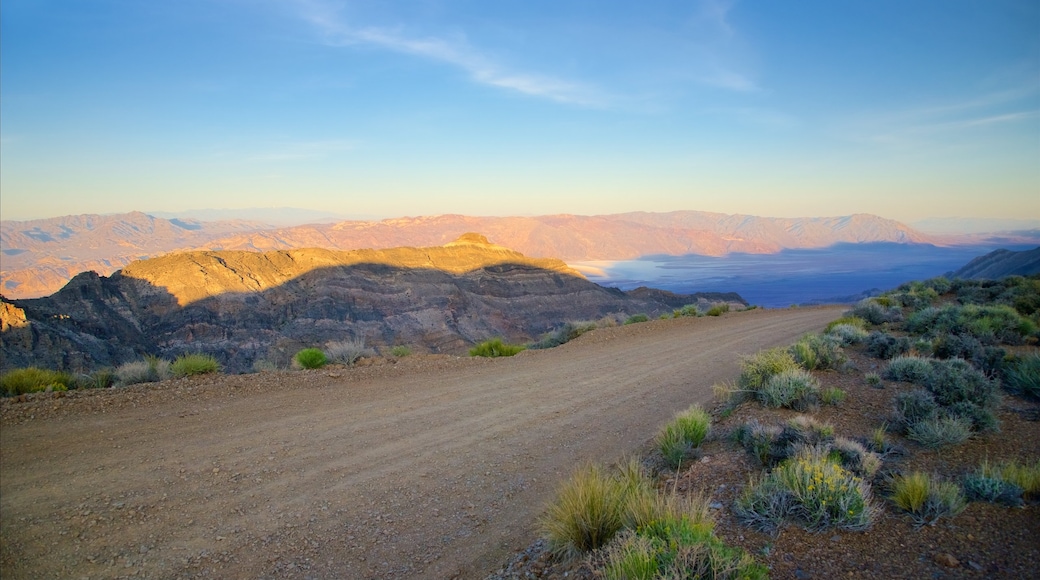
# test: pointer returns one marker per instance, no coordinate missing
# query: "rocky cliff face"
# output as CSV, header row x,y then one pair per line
x,y
243,307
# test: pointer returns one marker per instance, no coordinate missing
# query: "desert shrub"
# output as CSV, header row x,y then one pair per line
x,y
682,434
675,547
636,318
941,284
853,456
854,321
347,352
954,380
795,389
940,431
194,364
916,298
926,499
566,333
718,310
832,396
980,487
99,379
151,369
809,489
885,346
872,311
688,310
988,359
1023,376
847,334
586,514
874,380
774,444
878,440
400,351
910,369
1025,476
816,352
33,380
311,358
755,370
495,348
981,418
999,321
914,406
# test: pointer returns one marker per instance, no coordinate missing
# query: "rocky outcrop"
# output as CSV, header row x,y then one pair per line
x,y
246,306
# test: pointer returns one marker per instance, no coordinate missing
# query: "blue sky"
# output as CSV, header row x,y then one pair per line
x,y
381,108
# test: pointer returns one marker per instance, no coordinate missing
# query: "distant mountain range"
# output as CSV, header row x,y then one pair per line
x,y
243,307
40,256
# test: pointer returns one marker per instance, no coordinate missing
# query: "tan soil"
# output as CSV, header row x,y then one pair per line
x,y
426,467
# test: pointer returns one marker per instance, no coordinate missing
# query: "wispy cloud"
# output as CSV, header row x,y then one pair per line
x,y
912,126
337,31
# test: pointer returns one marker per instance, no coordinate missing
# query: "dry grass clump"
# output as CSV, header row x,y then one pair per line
x,y
926,499
680,436
194,364
347,352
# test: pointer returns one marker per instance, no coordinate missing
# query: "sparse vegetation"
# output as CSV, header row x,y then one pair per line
x,y
347,352
757,369
795,389
690,310
564,334
34,380
636,318
586,514
718,310
150,370
495,348
816,352
874,380
311,358
400,351
194,364
832,396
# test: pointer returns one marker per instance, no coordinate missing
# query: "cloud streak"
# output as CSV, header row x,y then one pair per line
x,y
453,52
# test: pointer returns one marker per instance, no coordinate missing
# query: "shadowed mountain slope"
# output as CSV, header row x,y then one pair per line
x,y
1000,263
246,307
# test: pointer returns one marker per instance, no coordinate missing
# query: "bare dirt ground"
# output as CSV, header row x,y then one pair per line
x,y
425,467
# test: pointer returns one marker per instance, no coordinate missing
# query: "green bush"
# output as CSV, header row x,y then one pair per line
x,y
809,489
311,358
815,352
874,380
925,499
636,318
682,434
685,311
33,380
495,348
795,389
676,547
876,311
1023,376
772,445
194,364
400,351
718,310
832,396
755,370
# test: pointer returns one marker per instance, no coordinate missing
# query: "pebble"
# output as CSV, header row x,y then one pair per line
x,y
947,560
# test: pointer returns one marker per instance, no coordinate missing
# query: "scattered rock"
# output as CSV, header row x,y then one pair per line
x,y
947,560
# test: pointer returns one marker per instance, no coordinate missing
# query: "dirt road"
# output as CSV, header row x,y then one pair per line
x,y
432,467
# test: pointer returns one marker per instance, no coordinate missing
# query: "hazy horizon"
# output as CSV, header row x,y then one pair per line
x,y
390,108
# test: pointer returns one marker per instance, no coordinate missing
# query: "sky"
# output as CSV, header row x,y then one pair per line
x,y
381,108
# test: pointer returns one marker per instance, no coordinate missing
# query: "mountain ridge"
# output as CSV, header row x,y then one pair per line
x,y
246,307
42,255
